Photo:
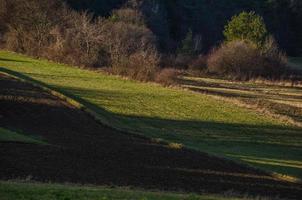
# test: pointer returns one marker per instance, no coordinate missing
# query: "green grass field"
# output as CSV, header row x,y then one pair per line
x,y
279,99
198,121
35,191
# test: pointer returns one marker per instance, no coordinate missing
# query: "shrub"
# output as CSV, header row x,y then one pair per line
x,y
58,33
182,61
246,26
243,60
167,76
128,15
167,60
198,64
83,40
179,61
28,31
140,66
238,58
132,47
123,39
274,60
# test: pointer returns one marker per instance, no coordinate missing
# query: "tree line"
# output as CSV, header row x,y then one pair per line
x,y
141,39
171,20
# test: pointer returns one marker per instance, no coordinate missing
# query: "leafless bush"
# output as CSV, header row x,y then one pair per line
x,y
183,61
128,15
198,64
167,76
140,66
179,61
167,61
82,41
243,60
236,58
123,39
274,60
4,17
132,49
58,33
28,28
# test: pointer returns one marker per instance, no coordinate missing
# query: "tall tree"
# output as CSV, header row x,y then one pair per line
x,y
246,26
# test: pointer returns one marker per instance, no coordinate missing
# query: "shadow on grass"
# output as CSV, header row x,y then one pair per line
x,y
164,126
143,166
13,60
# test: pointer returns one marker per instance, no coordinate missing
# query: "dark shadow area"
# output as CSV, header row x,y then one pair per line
x,y
83,151
90,93
13,60
98,7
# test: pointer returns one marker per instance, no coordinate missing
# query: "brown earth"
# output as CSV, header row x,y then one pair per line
x,y
82,151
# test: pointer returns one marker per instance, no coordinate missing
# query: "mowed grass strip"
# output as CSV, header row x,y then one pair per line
x,y
278,99
198,121
36,191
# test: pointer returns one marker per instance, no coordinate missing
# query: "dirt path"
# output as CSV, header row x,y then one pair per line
x,y
82,151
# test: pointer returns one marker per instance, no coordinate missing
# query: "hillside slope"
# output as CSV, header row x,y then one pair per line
x,y
38,191
194,120
79,150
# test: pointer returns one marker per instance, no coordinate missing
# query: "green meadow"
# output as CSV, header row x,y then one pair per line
x,y
195,120
36,191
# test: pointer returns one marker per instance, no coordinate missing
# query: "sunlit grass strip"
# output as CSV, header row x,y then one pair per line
x,y
241,95
197,121
287,178
40,85
275,162
74,103
14,190
10,136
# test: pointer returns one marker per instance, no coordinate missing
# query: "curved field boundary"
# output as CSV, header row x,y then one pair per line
x,y
103,121
77,104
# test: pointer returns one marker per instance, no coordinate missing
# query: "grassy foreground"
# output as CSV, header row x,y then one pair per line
x,y
35,191
195,120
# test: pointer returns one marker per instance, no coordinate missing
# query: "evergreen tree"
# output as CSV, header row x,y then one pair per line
x,y
187,45
246,26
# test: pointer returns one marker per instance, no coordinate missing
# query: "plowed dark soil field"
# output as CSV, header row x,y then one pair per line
x,y
80,150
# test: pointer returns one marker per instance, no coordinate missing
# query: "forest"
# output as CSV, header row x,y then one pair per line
x,y
152,40
170,20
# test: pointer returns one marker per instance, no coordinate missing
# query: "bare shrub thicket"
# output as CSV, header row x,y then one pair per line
x,y
274,60
199,64
132,46
121,42
77,40
128,16
244,60
28,24
167,76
